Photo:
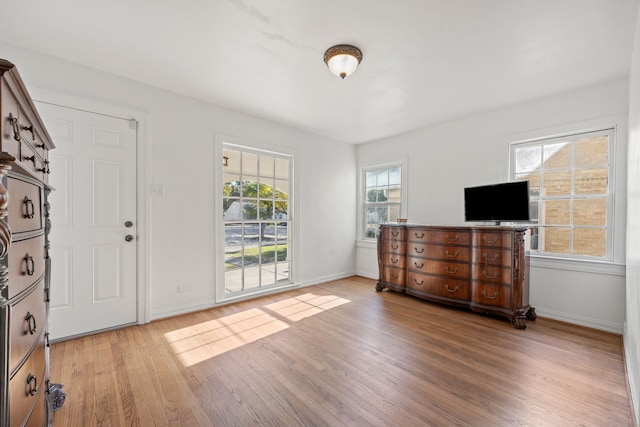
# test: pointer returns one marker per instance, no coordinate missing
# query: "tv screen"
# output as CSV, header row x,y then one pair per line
x,y
507,201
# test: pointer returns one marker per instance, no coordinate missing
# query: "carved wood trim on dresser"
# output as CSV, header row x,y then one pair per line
x,y
24,262
485,269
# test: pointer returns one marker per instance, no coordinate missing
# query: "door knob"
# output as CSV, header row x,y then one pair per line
x,y
128,224
128,237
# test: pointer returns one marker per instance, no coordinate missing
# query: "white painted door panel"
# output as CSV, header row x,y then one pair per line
x,y
93,171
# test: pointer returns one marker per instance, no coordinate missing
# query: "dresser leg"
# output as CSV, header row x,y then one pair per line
x,y
531,314
379,286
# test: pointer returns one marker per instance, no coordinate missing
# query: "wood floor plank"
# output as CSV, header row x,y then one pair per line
x,y
341,354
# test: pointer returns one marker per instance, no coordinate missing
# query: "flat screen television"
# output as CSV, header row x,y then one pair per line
x,y
508,201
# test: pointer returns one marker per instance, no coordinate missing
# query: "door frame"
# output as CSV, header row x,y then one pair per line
x,y
143,294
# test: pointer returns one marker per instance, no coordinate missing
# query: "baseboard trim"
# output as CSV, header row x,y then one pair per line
x,y
589,322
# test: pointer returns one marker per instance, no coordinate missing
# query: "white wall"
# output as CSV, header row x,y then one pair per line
x,y
181,145
632,324
445,158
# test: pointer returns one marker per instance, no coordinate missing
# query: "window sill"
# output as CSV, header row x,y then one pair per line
x,y
369,243
585,266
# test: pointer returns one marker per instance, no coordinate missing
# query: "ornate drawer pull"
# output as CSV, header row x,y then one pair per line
x,y
488,240
15,126
31,323
31,264
32,382
418,251
451,239
488,276
32,159
416,234
451,255
40,146
486,257
394,247
416,282
419,265
395,276
494,296
29,210
45,169
395,261
454,271
451,290
395,233
30,129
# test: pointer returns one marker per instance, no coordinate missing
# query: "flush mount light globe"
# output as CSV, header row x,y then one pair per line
x,y
342,59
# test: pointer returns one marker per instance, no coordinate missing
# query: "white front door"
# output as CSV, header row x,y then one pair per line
x,y
93,215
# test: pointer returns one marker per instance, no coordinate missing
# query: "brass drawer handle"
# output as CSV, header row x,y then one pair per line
x,y
451,290
395,276
494,296
32,382
488,240
395,233
416,282
15,126
451,255
45,169
29,208
394,247
418,251
395,261
451,239
486,257
416,234
488,276
454,271
31,264
30,129
32,159
419,265
31,323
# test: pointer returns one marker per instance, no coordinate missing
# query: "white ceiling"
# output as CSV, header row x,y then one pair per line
x,y
425,61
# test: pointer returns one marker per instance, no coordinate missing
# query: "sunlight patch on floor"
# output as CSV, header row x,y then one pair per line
x,y
203,341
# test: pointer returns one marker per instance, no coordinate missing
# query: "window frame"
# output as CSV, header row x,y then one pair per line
x,y
572,137
363,168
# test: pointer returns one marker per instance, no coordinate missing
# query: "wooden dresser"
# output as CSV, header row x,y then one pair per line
x,y
24,257
485,269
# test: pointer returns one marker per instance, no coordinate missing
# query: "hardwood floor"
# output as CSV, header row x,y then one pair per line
x,y
341,354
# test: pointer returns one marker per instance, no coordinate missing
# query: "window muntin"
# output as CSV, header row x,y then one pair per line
x,y
571,193
257,219
382,195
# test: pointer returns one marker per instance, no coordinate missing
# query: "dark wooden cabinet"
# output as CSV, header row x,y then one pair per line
x,y
485,269
24,256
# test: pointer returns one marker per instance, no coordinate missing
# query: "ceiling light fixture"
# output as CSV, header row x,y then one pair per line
x,y
343,59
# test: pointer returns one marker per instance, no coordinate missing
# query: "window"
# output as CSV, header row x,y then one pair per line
x,y
257,219
383,196
571,193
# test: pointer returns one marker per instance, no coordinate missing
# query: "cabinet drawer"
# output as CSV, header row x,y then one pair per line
x,y
394,233
22,395
9,108
492,239
442,236
490,256
487,273
489,294
393,275
28,318
448,269
394,260
450,288
444,252
25,212
393,246
32,162
26,263
38,417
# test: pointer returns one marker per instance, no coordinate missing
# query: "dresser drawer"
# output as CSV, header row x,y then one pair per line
x,y
393,275
38,417
394,233
31,161
450,288
26,263
28,318
492,239
442,236
394,260
492,256
444,252
448,269
489,294
488,273
25,212
393,246
9,108
22,393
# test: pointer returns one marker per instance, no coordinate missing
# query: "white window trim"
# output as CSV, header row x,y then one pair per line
x,y
616,264
364,167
